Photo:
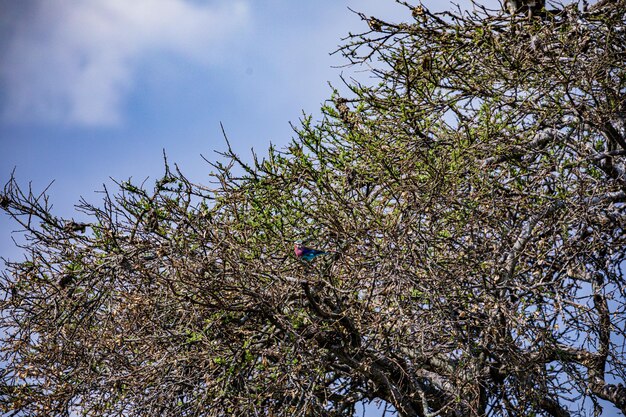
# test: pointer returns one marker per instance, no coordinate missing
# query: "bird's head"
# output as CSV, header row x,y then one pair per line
x,y
298,244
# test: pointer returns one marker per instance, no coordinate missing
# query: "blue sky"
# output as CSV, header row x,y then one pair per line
x,y
93,89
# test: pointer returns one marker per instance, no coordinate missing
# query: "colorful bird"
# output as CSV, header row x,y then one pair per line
x,y
305,253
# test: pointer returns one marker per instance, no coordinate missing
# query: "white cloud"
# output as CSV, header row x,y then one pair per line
x,y
72,61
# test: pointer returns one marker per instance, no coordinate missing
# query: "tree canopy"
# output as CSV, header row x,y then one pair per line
x,y
471,195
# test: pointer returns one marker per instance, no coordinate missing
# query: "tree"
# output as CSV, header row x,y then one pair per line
x,y
472,195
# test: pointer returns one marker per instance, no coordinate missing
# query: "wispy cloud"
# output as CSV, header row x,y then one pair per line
x,y
73,61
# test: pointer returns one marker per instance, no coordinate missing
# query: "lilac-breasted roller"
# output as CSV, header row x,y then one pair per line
x,y
305,253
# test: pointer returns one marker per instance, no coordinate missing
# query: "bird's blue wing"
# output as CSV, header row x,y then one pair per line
x,y
310,254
